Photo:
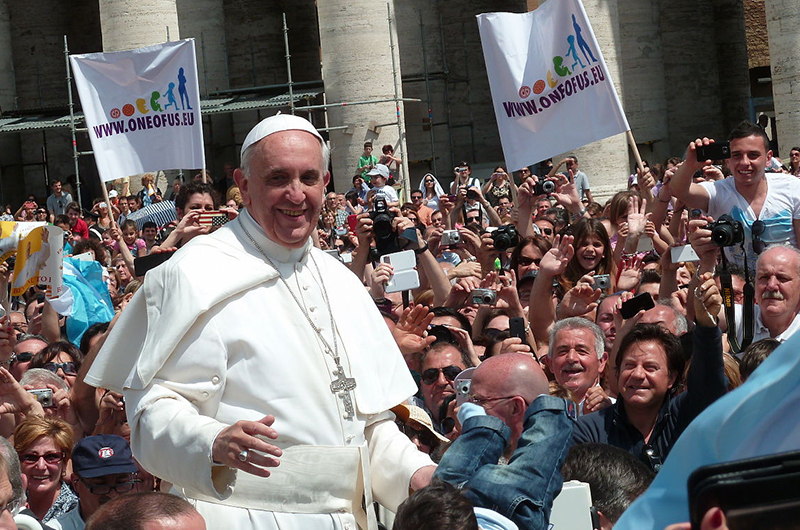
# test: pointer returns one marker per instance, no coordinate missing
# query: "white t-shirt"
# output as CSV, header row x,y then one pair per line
x,y
387,192
781,206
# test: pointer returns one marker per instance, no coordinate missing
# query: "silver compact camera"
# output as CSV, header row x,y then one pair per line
x,y
602,281
44,396
450,238
483,297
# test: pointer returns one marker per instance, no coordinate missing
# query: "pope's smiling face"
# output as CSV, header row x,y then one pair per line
x,y
285,186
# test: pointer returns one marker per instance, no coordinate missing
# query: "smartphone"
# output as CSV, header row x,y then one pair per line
x,y
212,218
715,151
683,254
352,221
451,197
402,281
516,328
638,303
645,245
146,263
401,260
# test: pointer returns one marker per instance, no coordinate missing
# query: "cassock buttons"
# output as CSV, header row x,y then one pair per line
x,y
305,287
215,379
349,438
312,308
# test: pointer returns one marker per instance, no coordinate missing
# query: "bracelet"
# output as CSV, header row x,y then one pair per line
x,y
421,250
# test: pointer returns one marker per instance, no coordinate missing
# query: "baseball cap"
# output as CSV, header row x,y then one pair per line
x,y
112,194
101,455
379,170
278,123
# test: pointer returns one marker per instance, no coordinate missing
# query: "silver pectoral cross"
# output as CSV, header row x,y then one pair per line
x,y
342,387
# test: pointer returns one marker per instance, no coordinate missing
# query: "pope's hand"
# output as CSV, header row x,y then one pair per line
x,y
243,436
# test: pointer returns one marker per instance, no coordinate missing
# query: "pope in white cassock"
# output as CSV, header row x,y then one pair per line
x,y
256,370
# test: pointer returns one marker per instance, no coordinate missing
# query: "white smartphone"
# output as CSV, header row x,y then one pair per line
x,y
402,281
401,261
683,254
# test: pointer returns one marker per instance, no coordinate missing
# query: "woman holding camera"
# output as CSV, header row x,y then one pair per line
x,y
44,446
498,186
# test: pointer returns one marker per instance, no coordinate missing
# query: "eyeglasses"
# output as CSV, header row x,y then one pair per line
x,y
483,401
21,357
758,229
524,170
69,368
430,375
49,458
104,489
547,231
429,181
12,506
416,197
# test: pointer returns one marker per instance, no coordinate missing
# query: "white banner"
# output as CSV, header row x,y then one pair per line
x,y
550,85
142,108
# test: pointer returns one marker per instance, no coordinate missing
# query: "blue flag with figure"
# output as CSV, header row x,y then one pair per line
x,y
761,417
86,300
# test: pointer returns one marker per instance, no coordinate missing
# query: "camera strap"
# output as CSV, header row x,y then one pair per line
x,y
747,309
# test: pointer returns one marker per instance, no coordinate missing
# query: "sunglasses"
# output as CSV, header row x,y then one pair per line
x,y
49,458
758,229
524,262
22,357
69,368
653,458
547,231
430,375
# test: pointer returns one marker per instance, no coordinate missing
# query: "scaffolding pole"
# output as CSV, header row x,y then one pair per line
x,y
288,62
447,91
401,126
75,153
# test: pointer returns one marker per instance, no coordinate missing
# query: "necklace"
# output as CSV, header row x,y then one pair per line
x,y
342,386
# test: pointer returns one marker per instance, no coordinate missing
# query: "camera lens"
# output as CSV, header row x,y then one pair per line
x,y
472,195
487,299
549,186
722,235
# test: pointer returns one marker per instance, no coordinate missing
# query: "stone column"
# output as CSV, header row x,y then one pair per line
x,y
783,25
357,66
204,20
642,69
10,166
734,75
129,24
606,162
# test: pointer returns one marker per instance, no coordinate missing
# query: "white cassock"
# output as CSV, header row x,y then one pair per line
x,y
213,337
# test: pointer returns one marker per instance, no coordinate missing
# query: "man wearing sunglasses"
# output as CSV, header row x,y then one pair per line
x,y
440,366
102,469
27,346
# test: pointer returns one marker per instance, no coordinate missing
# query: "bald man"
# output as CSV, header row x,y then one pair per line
x,y
510,416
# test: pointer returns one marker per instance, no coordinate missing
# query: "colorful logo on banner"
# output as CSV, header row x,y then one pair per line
x,y
39,256
157,109
581,73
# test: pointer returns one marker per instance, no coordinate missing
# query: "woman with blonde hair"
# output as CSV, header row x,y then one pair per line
x,y
44,446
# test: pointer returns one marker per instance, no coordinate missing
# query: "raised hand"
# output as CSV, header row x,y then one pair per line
x,y
555,260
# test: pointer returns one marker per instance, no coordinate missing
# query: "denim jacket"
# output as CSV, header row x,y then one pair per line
x,y
524,489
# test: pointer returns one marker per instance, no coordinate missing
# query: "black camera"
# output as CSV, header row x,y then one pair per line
x,y
544,187
442,334
726,231
505,237
385,236
472,195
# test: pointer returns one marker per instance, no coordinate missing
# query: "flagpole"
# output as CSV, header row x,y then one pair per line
x,y
636,155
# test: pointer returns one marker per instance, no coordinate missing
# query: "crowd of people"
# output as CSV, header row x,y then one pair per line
x,y
595,333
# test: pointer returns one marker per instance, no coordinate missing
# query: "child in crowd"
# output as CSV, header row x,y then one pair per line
x,y
130,236
367,162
